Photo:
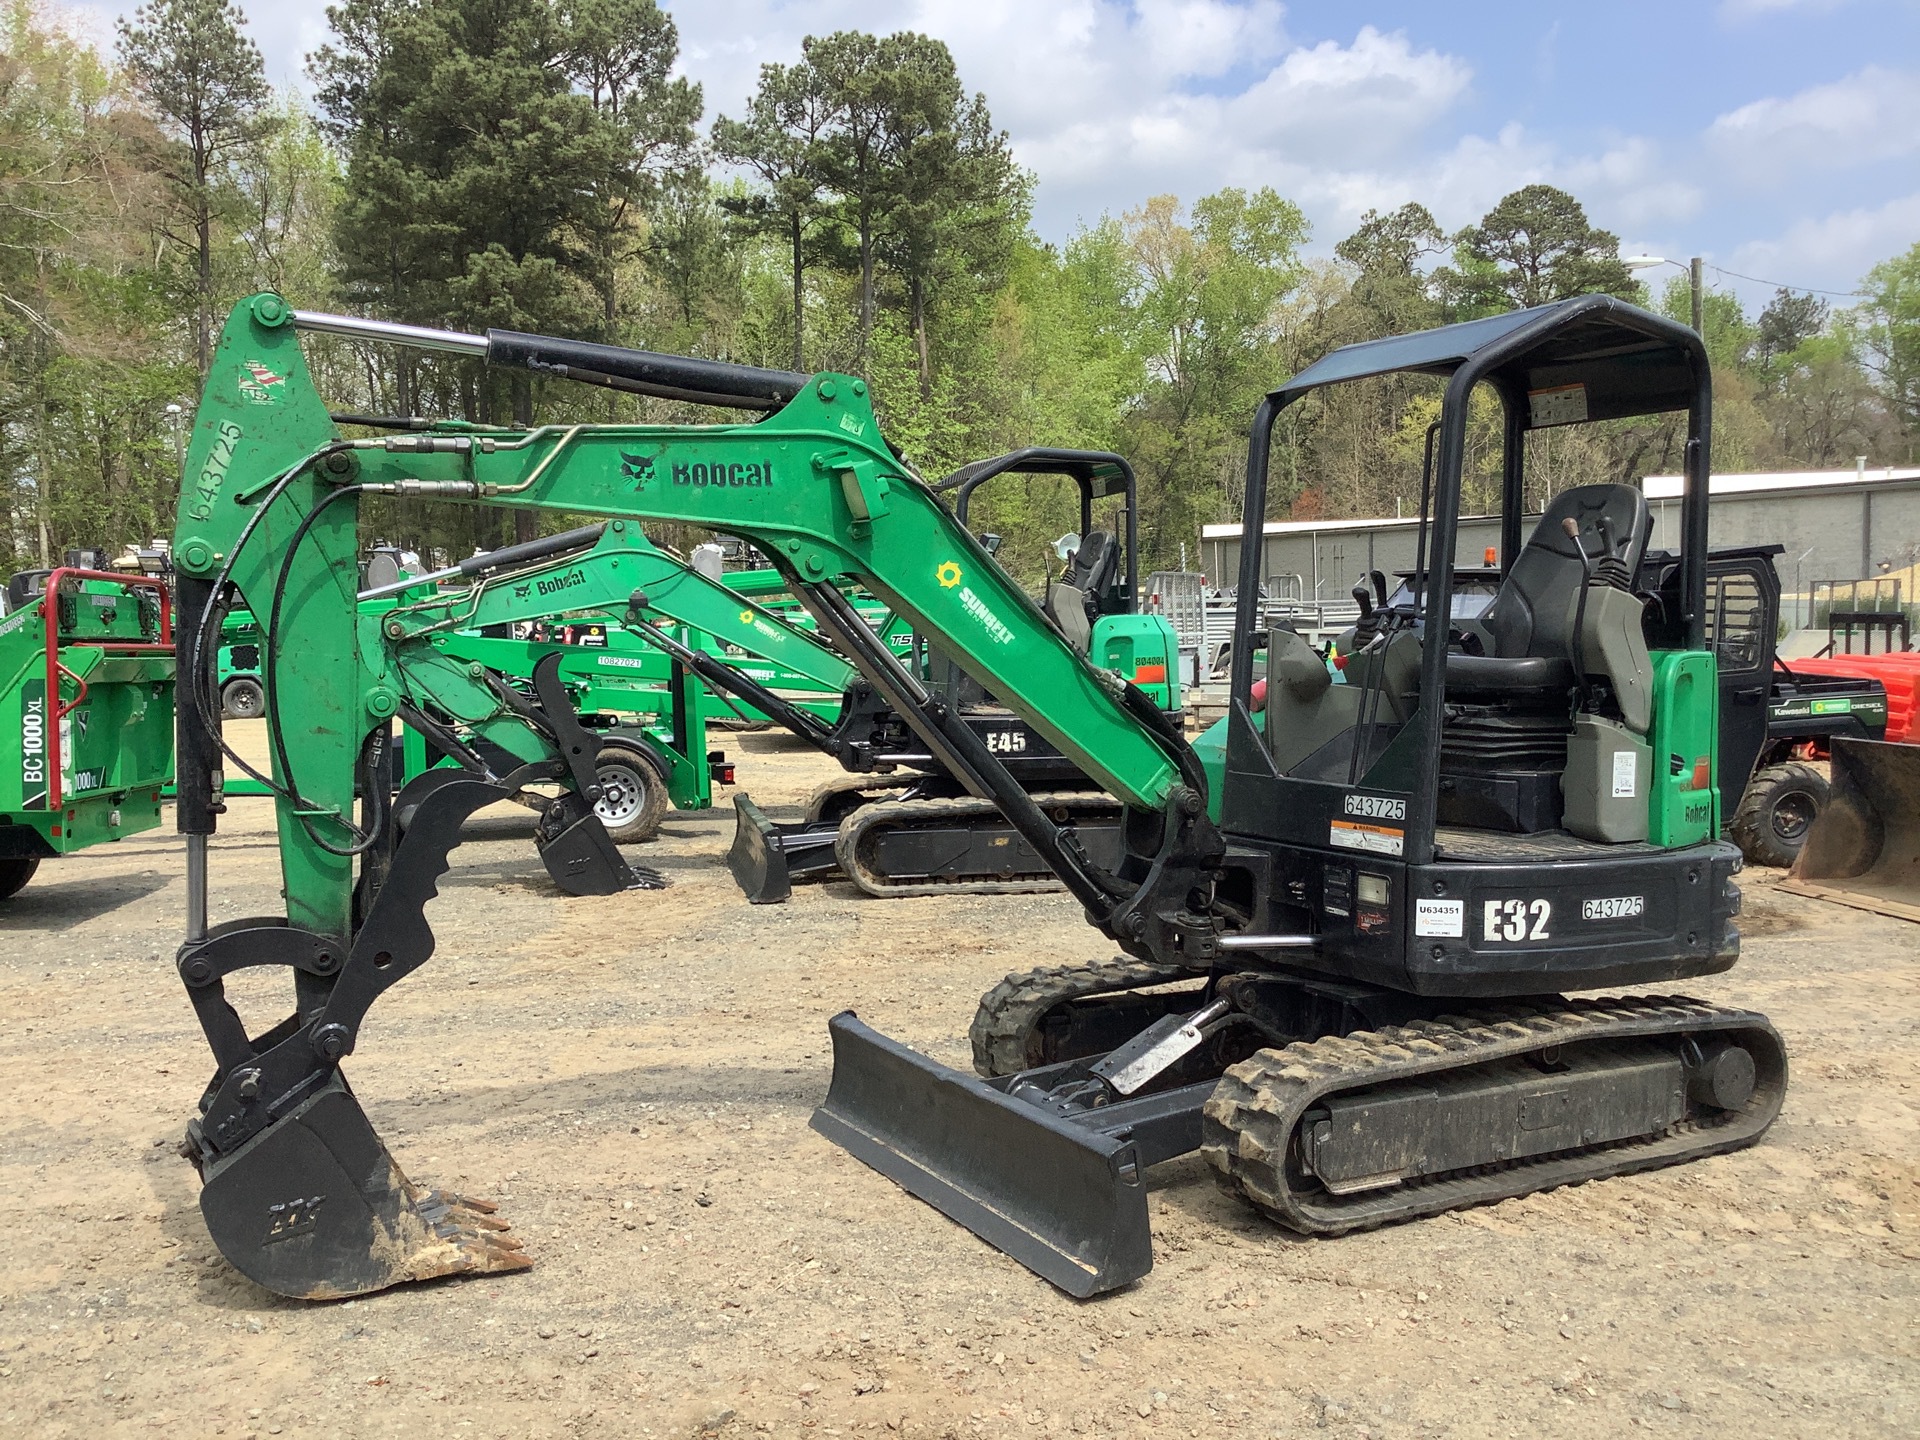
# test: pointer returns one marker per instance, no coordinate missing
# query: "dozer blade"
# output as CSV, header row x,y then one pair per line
x,y
1066,1200
1864,849
756,859
314,1207
767,857
583,860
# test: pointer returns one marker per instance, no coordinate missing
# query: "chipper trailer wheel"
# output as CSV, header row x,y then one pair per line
x,y
1776,812
243,699
15,871
632,800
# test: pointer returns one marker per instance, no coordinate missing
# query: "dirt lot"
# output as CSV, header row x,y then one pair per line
x,y
631,1079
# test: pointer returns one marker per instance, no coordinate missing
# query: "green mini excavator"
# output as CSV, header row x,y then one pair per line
x,y
1348,992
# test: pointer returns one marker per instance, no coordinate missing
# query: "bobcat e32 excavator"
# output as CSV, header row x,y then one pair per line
x,y
1346,993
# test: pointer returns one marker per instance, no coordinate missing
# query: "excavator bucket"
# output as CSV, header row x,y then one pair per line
x,y
1066,1199
581,857
1864,849
315,1208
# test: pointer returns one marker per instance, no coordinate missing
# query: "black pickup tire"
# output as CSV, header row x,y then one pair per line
x,y
243,699
1779,807
15,871
633,798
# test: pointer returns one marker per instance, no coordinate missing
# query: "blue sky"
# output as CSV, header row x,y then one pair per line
x,y
1778,138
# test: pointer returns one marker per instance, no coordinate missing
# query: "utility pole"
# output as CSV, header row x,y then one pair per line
x,y
1696,277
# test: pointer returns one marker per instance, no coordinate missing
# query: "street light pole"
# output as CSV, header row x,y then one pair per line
x,y
1696,277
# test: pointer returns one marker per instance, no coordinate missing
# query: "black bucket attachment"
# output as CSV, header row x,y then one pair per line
x,y
1065,1199
767,857
582,858
314,1208
1864,849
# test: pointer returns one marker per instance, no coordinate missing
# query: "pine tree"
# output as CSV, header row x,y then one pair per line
x,y
206,82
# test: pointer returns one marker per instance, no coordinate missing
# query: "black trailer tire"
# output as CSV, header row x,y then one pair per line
x,y
633,797
1779,807
243,699
15,871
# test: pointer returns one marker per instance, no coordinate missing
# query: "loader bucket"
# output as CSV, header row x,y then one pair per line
x,y
314,1207
1065,1200
1864,849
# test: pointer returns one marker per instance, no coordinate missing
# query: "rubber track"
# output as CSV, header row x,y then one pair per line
x,y
907,813
1250,1120
842,784
1011,1011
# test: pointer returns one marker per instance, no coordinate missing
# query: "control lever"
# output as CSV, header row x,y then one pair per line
x,y
1379,588
1572,528
1368,624
1611,570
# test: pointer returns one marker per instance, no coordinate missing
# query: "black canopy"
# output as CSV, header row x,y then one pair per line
x,y
1629,361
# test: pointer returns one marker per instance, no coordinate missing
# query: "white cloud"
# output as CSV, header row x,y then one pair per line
x,y
1870,115
1833,251
1753,9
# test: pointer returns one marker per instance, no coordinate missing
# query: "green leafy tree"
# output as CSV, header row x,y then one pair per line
x,y
620,54
1388,291
780,140
205,81
854,160
1211,288
955,196
1536,245
1788,322
1892,336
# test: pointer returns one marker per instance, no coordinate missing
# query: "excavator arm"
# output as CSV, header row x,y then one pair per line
x,y
270,502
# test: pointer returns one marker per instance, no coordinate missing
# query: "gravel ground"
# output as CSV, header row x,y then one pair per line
x,y
631,1078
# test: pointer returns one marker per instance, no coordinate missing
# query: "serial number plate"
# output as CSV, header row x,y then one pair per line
x,y
1617,907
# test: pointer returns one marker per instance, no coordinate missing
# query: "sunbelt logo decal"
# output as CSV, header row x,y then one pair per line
x,y
977,608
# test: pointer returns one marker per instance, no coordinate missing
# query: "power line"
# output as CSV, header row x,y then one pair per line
x,y
1782,285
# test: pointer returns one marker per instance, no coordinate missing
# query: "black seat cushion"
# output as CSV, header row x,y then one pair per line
x,y
1494,677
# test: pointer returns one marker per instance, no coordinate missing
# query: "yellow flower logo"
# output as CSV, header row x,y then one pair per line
x,y
948,574
746,617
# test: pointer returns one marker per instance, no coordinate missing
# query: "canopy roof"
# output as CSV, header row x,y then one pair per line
x,y
1628,361
1099,472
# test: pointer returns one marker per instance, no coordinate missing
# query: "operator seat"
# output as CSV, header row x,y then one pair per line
x,y
1528,629
1073,599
